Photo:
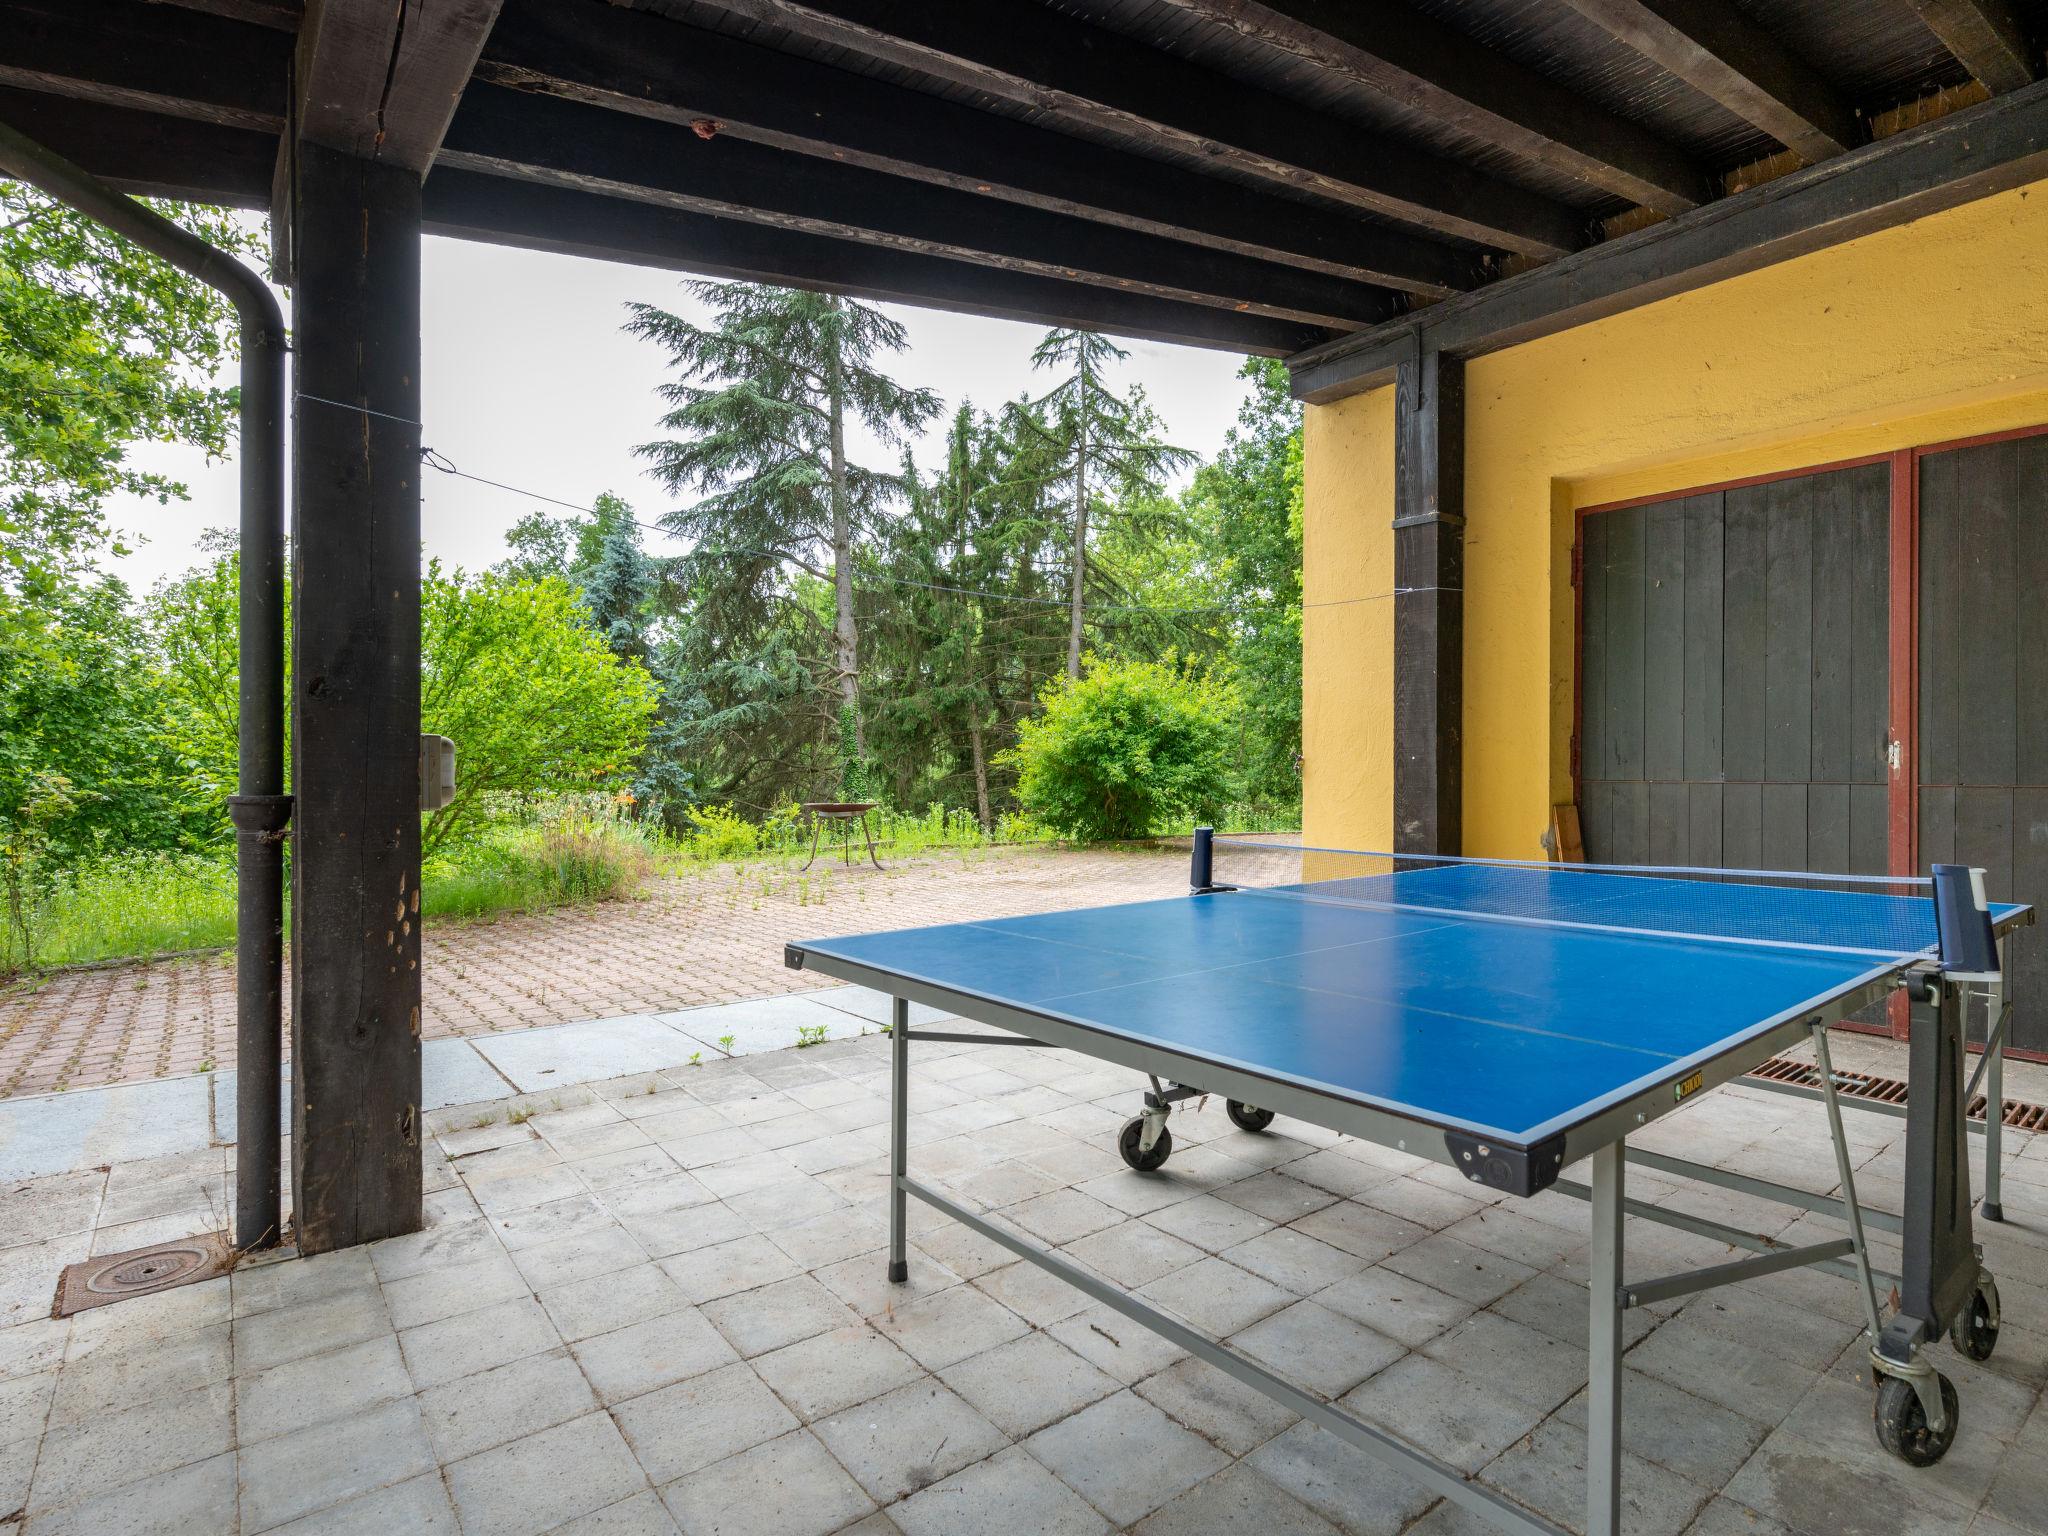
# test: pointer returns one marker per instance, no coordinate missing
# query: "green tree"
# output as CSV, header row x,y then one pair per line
x,y
511,669
101,346
1126,749
1109,444
534,700
760,409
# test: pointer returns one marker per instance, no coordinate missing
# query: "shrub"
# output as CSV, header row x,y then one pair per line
x,y
1126,749
718,832
573,858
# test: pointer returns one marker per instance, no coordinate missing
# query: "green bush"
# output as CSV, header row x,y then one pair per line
x,y
1128,748
719,833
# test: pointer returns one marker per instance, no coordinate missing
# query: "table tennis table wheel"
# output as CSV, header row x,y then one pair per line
x,y
1902,1423
1129,1142
1974,1332
1245,1118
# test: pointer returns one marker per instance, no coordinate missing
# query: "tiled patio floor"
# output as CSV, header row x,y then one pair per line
x,y
659,1304
706,938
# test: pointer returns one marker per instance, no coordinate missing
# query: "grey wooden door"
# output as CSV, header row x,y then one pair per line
x,y
1983,726
1735,676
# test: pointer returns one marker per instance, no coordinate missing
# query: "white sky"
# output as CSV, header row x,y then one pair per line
x,y
528,380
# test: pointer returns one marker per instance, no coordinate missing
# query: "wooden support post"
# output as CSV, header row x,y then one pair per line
x,y
356,701
1429,604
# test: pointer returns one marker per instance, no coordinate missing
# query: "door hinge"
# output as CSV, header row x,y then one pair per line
x,y
1894,754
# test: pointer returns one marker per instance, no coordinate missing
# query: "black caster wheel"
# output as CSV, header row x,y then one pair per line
x,y
1975,1329
1245,1118
1902,1423
1128,1140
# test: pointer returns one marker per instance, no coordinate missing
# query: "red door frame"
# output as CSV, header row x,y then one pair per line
x,y
1902,803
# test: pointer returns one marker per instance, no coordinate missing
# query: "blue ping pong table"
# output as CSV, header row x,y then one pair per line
x,y
1510,1021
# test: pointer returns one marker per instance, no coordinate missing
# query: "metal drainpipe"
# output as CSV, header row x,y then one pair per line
x,y
261,810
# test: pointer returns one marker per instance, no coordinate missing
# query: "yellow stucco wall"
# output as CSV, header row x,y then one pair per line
x,y
1935,330
1347,622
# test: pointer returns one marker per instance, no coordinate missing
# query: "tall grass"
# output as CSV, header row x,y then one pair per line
x,y
569,860
134,904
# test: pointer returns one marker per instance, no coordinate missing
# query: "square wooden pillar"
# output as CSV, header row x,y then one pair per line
x,y
355,1070
1429,604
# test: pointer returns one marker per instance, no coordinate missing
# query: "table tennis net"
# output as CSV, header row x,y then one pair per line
x,y
1881,916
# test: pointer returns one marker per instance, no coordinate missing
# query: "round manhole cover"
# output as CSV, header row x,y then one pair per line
x,y
152,1271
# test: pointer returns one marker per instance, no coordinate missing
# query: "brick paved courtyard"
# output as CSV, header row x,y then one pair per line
x,y
657,1305
706,938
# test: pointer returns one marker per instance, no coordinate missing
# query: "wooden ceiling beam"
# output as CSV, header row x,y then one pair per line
x,y
1428,67
547,141
148,154
1719,52
654,67
278,15
135,56
1988,39
379,79
1976,152
469,206
1093,78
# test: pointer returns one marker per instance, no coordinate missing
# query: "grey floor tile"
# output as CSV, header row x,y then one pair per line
x,y
25,1404
1362,1230
755,1322
1125,1457
1354,1492
328,1464
1209,1223
677,1429
1035,1294
1547,1472
141,1322
1693,1437
1220,1408
1458,1418
199,1496
476,1341
433,1294
1028,1383
652,1353
745,1264
474,1413
292,1282
1275,1196
785,1487
1008,1493
318,1388
417,1504
1317,1348
1294,1260
1395,1305
821,1375
111,1379
583,1309
1459,1269
642,1515
578,1256
1134,1253
1752,1381
1529,1366
908,1439
82,1460
1230,1503
1216,1297
1063,1216
1113,1343
291,1333
538,1483
947,1327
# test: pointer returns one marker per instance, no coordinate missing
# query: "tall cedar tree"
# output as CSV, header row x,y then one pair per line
x,y
760,411
1109,446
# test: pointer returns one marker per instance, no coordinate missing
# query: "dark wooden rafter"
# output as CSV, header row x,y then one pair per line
x,y
657,68
379,79
1999,144
1988,38
278,15
1429,604
540,139
1094,78
1717,50
1434,69
146,154
548,218
134,56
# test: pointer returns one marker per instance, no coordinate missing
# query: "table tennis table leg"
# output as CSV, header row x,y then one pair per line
x,y
1603,1345
899,1136
1845,1176
1997,1019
